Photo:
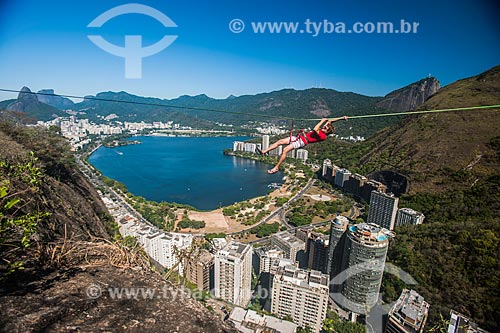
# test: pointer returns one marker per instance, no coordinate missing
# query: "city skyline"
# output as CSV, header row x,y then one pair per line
x,y
46,45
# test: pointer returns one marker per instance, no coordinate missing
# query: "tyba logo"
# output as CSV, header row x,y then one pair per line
x,y
133,52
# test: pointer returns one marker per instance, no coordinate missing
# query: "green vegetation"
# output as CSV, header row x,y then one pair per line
x,y
187,223
333,324
16,225
246,212
211,236
281,201
454,255
265,229
302,211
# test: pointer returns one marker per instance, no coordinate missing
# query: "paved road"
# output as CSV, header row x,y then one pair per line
x,y
113,194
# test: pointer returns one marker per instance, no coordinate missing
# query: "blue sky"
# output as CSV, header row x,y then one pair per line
x,y
44,44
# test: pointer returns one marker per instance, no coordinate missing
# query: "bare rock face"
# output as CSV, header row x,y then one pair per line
x,y
410,97
83,299
26,100
48,96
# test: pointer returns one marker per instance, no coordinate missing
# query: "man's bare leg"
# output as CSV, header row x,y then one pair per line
x,y
275,145
282,159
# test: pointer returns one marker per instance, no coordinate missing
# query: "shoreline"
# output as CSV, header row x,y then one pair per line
x,y
225,151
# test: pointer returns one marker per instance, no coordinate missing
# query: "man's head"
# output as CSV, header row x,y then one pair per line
x,y
328,128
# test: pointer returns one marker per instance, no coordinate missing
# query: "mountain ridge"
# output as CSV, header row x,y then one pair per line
x,y
444,144
279,105
28,103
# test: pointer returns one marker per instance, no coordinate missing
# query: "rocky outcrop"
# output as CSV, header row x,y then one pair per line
x,y
28,103
410,97
48,96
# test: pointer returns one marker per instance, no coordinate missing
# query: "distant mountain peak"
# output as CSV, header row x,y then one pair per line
x,y
49,97
411,96
27,97
28,103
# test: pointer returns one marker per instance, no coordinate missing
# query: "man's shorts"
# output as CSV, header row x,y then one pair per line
x,y
297,142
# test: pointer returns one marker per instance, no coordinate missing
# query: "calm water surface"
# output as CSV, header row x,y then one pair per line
x,y
191,171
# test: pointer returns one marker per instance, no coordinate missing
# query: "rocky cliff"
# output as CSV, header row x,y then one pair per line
x,y
410,97
48,96
28,103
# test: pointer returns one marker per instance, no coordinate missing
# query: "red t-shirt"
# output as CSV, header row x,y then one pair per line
x,y
314,136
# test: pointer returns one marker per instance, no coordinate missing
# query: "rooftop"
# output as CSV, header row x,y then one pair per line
x,y
250,321
370,233
234,250
288,238
411,211
410,310
303,278
462,324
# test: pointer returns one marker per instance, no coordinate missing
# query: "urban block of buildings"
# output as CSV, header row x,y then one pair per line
x,y
301,154
78,130
163,247
383,206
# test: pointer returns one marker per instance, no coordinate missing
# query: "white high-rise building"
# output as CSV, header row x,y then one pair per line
x,y
276,151
265,258
301,295
238,146
302,154
383,209
409,216
265,142
233,273
327,164
160,246
249,147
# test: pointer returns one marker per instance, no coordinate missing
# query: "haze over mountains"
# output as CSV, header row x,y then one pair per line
x,y
300,104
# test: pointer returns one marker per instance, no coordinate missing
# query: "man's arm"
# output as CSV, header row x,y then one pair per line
x,y
332,120
320,125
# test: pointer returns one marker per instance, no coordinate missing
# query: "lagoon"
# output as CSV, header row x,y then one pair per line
x,y
187,170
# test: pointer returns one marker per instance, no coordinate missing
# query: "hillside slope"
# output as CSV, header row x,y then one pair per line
x,y
434,149
49,262
453,163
